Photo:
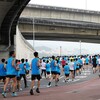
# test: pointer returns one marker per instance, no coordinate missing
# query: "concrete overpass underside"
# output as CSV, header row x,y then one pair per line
x,y
61,30
10,11
62,37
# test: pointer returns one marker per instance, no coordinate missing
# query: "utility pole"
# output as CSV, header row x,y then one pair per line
x,y
33,35
80,46
60,50
86,4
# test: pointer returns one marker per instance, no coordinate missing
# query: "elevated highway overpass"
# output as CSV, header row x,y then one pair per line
x,y
52,12
62,24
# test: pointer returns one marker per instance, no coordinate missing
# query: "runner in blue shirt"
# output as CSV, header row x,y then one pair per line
x,y
77,67
66,72
22,67
2,70
27,67
87,62
53,71
58,71
35,67
80,65
48,69
17,74
10,74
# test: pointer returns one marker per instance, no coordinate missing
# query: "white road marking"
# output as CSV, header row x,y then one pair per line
x,y
61,77
81,76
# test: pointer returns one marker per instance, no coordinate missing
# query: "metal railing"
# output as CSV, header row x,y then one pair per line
x,y
63,9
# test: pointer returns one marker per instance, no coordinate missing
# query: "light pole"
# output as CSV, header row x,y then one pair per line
x,y
33,35
80,46
86,4
60,50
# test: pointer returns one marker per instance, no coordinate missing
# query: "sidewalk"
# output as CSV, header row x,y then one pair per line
x,y
89,90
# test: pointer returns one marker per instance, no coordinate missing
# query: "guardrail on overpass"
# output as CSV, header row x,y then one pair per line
x,y
59,22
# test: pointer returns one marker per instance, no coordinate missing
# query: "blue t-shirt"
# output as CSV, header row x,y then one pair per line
x,y
97,60
58,68
53,67
22,68
87,60
10,70
35,67
66,69
2,70
18,74
18,71
27,66
48,69
75,65
80,61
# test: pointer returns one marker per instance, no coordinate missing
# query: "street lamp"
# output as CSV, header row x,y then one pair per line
x,y
60,50
80,46
33,34
86,4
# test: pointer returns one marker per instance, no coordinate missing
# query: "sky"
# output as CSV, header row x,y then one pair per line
x,y
88,48
81,4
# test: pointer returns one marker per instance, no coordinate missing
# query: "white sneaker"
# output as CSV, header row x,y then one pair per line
x,y
48,85
99,74
14,94
20,89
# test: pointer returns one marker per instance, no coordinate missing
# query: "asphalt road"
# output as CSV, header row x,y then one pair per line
x,y
85,77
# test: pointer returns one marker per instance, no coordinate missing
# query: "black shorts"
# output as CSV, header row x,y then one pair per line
x,y
27,72
67,75
48,73
11,76
63,66
77,68
71,70
18,78
22,76
86,63
94,65
33,77
80,66
54,72
2,77
58,73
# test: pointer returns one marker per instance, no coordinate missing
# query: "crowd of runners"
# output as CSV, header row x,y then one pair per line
x,y
14,70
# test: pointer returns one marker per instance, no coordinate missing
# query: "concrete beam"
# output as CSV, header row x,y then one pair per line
x,y
43,32
62,37
41,11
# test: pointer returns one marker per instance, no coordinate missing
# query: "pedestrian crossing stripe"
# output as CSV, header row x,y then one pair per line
x,y
85,71
86,74
81,76
70,80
